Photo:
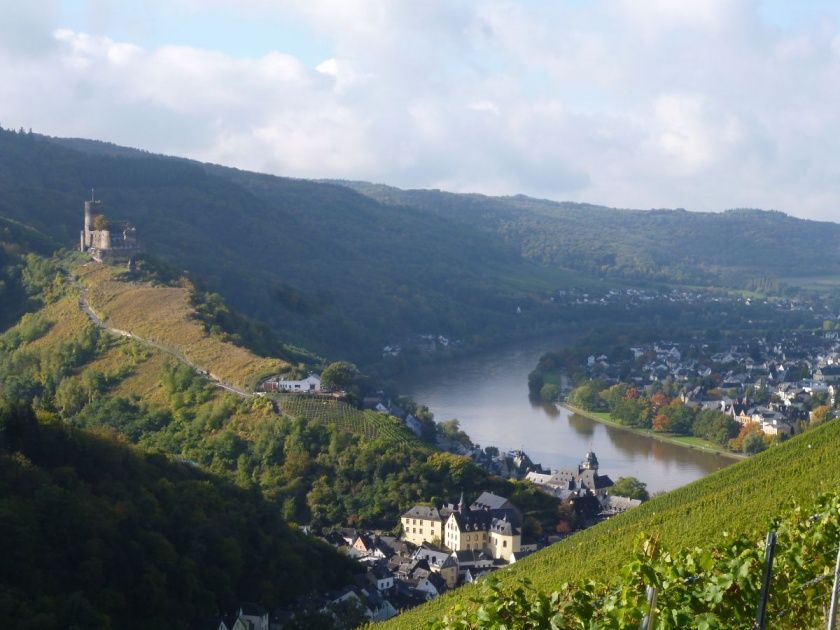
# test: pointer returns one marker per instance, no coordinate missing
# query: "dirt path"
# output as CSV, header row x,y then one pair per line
x,y
84,304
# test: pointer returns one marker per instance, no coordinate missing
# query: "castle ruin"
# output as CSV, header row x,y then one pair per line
x,y
106,239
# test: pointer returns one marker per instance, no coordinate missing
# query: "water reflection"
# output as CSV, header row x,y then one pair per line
x,y
582,426
488,393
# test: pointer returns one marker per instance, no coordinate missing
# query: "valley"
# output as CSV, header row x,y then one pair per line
x,y
152,357
404,315
488,394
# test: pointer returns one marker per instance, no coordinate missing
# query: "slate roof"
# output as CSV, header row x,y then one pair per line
x,y
490,501
471,556
434,557
427,512
502,521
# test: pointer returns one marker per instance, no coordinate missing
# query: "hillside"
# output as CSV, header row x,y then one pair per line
x,y
78,509
165,316
323,461
324,267
731,248
212,471
344,268
737,499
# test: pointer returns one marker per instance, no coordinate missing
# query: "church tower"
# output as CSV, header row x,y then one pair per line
x,y
590,462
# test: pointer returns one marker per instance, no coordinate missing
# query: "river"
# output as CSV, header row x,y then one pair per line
x,y
488,394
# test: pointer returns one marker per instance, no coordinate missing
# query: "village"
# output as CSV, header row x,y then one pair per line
x,y
437,549
775,385
634,297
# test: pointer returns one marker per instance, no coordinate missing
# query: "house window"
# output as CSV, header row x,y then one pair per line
x,y
504,543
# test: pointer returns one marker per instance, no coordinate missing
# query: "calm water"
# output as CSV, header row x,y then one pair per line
x,y
488,393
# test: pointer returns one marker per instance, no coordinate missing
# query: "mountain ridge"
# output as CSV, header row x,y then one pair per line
x,y
344,269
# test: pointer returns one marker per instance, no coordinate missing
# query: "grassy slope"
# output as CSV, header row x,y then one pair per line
x,y
736,499
164,315
67,322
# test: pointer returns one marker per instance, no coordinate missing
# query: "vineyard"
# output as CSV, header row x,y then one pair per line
x,y
735,500
716,587
368,424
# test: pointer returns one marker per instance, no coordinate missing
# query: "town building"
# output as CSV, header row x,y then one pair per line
x,y
495,531
492,524
565,482
421,524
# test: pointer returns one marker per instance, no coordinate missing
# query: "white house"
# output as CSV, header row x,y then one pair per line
x,y
254,614
381,578
311,384
414,425
426,586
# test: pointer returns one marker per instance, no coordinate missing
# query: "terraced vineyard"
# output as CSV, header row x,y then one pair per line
x,y
737,500
368,424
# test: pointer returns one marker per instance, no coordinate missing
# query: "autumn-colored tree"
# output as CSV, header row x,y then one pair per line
x,y
661,423
100,222
631,394
737,443
657,401
819,415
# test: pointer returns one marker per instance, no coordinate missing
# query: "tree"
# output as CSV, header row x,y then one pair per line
x,y
70,397
613,395
585,396
535,382
100,222
759,395
633,412
681,417
631,488
661,423
715,426
657,402
754,443
819,415
338,376
549,392
451,430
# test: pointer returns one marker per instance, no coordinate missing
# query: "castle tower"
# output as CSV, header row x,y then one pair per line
x,y
90,207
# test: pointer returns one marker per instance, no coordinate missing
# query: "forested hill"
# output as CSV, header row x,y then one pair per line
x,y
98,534
343,270
327,268
732,248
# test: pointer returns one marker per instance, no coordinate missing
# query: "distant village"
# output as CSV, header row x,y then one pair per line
x,y
773,384
629,297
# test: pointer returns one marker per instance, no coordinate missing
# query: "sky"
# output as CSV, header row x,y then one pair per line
x,y
699,104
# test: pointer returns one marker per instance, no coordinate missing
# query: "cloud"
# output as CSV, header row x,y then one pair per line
x,y
642,103
25,27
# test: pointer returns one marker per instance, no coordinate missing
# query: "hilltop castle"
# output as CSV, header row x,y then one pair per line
x,y
106,239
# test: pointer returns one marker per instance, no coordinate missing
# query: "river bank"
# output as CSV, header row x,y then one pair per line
x,y
685,441
488,393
